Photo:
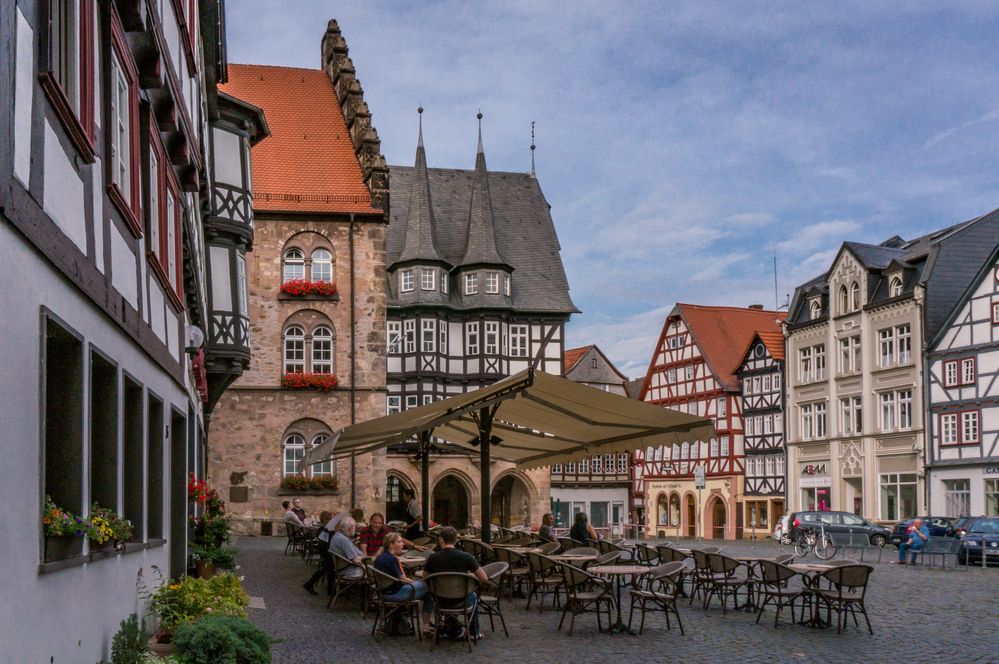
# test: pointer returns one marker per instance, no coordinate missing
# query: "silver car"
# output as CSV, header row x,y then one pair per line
x,y
781,531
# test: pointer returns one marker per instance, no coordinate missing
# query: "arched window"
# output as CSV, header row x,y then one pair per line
x,y
294,350
855,296
674,509
322,350
322,265
293,265
895,288
294,451
844,300
662,509
815,310
324,469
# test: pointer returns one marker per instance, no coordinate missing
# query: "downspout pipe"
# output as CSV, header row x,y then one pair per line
x,y
353,359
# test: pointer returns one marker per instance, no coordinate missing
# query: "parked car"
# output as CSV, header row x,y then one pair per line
x,y
983,533
781,533
940,526
839,522
962,523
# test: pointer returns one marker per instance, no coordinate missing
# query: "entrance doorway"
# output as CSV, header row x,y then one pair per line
x,y
509,503
395,508
717,512
691,517
450,502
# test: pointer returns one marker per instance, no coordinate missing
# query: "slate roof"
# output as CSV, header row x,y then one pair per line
x,y
480,241
572,357
308,164
633,388
525,235
419,222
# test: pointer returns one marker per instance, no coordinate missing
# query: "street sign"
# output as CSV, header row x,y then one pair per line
x,y
699,477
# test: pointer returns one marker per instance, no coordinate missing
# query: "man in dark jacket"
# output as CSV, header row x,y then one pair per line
x,y
450,559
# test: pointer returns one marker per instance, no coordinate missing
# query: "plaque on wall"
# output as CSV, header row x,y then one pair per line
x,y
239,494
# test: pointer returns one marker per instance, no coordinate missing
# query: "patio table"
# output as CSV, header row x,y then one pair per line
x,y
809,572
574,559
618,573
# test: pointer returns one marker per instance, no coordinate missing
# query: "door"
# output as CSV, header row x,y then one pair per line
x,y
718,519
691,517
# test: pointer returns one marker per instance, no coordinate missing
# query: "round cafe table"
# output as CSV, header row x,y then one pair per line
x,y
618,573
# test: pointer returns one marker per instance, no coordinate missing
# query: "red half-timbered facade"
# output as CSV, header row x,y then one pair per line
x,y
692,371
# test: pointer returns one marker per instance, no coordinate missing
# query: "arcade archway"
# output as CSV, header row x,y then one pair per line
x,y
449,502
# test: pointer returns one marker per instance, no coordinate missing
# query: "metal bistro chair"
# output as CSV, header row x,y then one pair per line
x,y
626,555
568,543
294,533
386,610
701,576
723,581
343,584
546,576
450,591
518,570
664,582
646,555
846,589
549,548
579,600
773,585
489,597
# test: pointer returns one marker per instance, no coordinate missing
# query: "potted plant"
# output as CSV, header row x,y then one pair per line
x,y
107,529
64,532
308,381
209,559
304,287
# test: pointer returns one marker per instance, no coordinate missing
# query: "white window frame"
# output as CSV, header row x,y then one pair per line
x,y
323,468
409,335
242,301
393,336
322,350
519,338
622,462
406,284
293,265
722,408
903,343
121,128
895,287
819,361
444,281
805,364
293,350
904,400
506,285
806,421
820,419
491,340
442,337
471,283
321,268
968,373
886,347
393,404
428,279
412,401
472,338
948,429
492,282
887,402
854,296
950,373
428,335
970,427
292,451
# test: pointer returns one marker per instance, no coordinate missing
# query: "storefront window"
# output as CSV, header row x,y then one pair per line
x,y
662,511
957,497
674,509
991,498
598,514
898,496
816,499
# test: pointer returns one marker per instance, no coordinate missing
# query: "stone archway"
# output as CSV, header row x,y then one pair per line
x,y
449,502
715,518
510,502
395,508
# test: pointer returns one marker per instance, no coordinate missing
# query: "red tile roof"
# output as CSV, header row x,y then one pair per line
x,y
774,341
572,357
722,334
308,163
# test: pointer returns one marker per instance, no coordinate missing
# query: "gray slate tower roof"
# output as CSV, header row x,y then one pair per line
x,y
419,225
480,244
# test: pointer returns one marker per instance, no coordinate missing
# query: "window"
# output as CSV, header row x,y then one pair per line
x,y
904,409
428,335
903,337
556,469
968,371
851,421
444,280
685,451
898,496
671,376
855,296
325,468
409,334
294,451
888,411
713,447
294,350
294,265
820,362
411,401
442,336
123,128
154,213
771,463
163,244
806,422
722,408
393,405
991,498
756,384
950,373
814,310
241,284
849,354
67,76
806,367
895,290
948,429
622,462
322,350
506,285
768,424
820,420
406,281
598,465
778,423
428,277
492,338
394,334
518,340
747,385
766,383
995,313
969,428
570,468
322,266
844,300
957,496
688,372
886,344
492,282
724,446
584,467
471,284
471,338
749,427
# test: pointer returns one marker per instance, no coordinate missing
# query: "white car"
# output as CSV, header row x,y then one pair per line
x,y
781,531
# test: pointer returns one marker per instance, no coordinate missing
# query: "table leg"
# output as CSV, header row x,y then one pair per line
x,y
620,627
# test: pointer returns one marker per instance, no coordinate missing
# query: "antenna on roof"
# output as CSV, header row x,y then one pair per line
x,y
532,149
776,296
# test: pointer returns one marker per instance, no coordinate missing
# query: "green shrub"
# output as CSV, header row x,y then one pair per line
x,y
129,643
183,602
221,558
222,640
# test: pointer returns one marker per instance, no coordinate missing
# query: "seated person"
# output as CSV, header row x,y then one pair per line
x,y
373,536
407,589
289,514
450,559
582,530
545,531
324,545
357,514
342,543
918,536
296,507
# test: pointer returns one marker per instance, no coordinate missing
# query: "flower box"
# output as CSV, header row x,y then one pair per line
x,y
307,381
303,287
309,484
62,547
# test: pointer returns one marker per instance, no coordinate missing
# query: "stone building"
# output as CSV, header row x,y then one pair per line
x,y
476,292
599,486
122,298
316,293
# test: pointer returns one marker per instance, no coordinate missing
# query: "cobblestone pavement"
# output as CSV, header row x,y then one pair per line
x,y
925,613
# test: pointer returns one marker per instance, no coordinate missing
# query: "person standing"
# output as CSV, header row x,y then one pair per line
x,y
414,528
919,535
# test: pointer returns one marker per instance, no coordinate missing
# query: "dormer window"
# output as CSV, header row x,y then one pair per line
x,y
844,300
428,279
855,296
506,285
814,310
406,281
895,287
294,265
492,282
471,284
444,281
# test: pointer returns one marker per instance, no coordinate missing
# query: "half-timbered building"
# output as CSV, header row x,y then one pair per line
x,y
599,486
693,370
120,264
856,421
762,374
963,375
476,291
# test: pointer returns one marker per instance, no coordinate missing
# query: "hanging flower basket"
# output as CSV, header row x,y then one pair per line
x,y
303,287
305,381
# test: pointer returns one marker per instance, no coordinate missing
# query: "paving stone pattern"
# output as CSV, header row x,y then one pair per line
x,y
935,615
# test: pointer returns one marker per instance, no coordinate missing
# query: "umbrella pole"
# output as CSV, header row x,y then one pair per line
x,y
485,433
425,477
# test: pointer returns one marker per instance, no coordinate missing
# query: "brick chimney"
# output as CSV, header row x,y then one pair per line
x,y
756,306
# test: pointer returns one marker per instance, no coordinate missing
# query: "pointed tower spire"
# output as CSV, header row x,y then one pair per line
x,y
533,174
480,246
420,245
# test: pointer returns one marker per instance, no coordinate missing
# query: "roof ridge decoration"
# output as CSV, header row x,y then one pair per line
x,y
420,245
363,135
480,243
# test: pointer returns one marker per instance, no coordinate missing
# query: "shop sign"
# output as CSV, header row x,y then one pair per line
x,y
814,475
992,470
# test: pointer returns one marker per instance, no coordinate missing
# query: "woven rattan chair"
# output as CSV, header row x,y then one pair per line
x,y
450,591
381,582
568,543
842,589
549,548
489,598
646,555
724,581
586,593
663,585
701,576
518,571
581,551
294,533
545,577
773,585
343,584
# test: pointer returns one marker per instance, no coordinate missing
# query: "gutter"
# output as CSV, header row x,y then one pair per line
x,y
353,360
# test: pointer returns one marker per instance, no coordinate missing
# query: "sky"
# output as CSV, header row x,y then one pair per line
x,y
682,146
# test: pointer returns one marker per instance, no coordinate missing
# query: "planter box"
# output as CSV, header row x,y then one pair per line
x,y
204,570
161,650
62,547
98,548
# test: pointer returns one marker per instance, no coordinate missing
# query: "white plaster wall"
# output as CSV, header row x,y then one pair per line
x,y
69,615
97,194
63,191
156,314
23,87
122,267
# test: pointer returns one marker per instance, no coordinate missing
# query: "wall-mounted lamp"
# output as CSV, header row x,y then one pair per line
x,y
195,338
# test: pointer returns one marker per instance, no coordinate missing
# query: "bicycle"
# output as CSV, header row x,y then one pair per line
x,y
821,545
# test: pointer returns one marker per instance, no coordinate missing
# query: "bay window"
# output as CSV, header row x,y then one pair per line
x,y
492,338
428,331
409,335
492,282
518,341
428,278
163,237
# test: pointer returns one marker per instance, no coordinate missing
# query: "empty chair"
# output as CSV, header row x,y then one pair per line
x,y
845,589
489,597
664,584
518,570
548,548
626,555
773,586
646,555
724,581
586,593
546,576
450,591
784,558
568,543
